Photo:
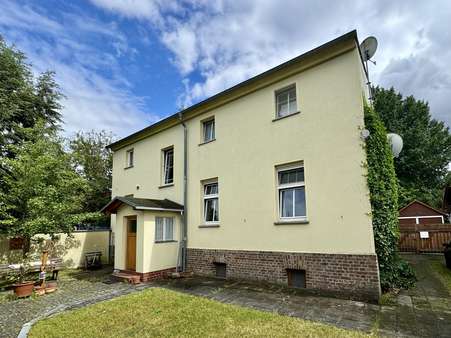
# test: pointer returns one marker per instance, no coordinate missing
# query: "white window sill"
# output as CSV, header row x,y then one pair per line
x,y
168,241
292,221
209,225
205,142
282,117
166,185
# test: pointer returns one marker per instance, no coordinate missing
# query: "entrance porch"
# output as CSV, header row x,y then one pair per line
x,y
146,236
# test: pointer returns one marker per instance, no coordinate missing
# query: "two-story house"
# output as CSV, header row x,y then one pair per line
x,y
264,181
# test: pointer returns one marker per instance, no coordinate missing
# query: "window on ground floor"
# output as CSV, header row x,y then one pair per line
x,y
211,203
164,229
291,193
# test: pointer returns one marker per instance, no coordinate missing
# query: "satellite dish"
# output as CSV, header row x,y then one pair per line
x,y
368,47
395,142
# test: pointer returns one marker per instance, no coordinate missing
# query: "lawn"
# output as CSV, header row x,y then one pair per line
x,y
443,273
160,312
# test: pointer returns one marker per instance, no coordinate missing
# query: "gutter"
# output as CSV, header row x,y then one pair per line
x,y
184,233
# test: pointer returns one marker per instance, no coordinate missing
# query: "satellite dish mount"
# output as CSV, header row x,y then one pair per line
x,y
368,48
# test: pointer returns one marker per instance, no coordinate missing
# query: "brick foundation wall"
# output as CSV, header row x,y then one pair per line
x,y
149,276
355,276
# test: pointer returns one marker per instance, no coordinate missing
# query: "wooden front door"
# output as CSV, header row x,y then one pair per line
x,y
131,245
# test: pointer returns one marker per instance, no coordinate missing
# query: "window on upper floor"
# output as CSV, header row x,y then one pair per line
x,y
211,203
164,229
208,130
291,193
168,166
286,103
129,158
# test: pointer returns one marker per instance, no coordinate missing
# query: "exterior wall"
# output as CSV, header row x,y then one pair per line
x,y
248,146
418,213
71,248
150,256
354,275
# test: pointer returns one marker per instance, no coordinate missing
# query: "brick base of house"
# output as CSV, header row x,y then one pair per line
x,y
149,276
353,276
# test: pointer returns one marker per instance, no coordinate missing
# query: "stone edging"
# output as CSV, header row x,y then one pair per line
x,y
74,305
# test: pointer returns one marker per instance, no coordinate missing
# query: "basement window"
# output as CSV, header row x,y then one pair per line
x,y
296,278
221,270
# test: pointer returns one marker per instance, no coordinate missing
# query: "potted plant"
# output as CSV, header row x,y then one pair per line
x,y
447,252
22,287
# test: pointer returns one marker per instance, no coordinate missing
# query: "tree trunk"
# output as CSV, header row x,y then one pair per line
x,y
26,246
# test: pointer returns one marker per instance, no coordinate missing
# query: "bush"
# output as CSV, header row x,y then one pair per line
x,y
383,186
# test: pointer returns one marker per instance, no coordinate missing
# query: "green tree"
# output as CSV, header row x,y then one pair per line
x,y
94,162
44,194
422,166
382,183
23,100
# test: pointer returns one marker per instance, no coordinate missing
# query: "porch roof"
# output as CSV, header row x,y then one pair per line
x,y
141,204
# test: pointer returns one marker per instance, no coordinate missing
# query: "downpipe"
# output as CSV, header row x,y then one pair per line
x,y
184,233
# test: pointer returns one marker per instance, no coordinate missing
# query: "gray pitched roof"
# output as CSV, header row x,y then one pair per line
x,y
141,204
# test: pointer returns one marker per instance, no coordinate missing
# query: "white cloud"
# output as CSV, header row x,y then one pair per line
x,y
93,101
229,41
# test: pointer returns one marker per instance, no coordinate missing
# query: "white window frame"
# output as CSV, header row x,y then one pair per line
x,y
164,233
204,130
282,91
166,166
281,187
128,163
417,218
210,197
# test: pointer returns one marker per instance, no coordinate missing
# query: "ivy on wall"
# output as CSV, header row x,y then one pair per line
x,y
383,186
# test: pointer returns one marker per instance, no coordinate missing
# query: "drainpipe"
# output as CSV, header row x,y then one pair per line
x,y
183,242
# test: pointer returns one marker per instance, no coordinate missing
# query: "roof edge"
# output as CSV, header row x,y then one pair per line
x,y
176,116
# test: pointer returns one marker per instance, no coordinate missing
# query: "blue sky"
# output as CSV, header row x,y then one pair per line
x,y
124,64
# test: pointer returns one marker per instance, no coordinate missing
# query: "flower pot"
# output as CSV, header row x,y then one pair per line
x,y
24,289
40,291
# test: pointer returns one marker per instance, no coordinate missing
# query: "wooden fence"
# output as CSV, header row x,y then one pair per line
x,y
424,238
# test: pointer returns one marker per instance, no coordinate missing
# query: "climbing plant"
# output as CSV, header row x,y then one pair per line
x,y
383,186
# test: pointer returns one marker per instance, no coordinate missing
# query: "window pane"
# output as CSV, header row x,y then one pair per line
x,y
211,189
286,197
168,166
158,228
169,229
211,210
292,93
286,102
282,109
209,130
299,198
291,176
282,97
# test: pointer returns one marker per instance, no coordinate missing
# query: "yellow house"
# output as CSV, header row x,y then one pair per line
x,y
265,181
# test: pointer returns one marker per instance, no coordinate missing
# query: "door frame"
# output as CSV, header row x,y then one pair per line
x,y
127,232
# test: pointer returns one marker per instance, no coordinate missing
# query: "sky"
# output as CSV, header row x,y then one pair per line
x,y
124,64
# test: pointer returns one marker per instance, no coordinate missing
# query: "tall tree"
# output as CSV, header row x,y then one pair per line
x,y
23,99
44,193
94,162
423,163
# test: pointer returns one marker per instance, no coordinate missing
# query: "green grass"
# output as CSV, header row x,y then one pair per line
x,y
443,273
159,312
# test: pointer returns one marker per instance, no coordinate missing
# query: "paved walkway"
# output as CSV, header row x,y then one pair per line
x,y
75,289
424,311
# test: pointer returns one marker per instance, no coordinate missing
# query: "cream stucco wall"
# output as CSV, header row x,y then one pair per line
x,y
325,136
71,249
